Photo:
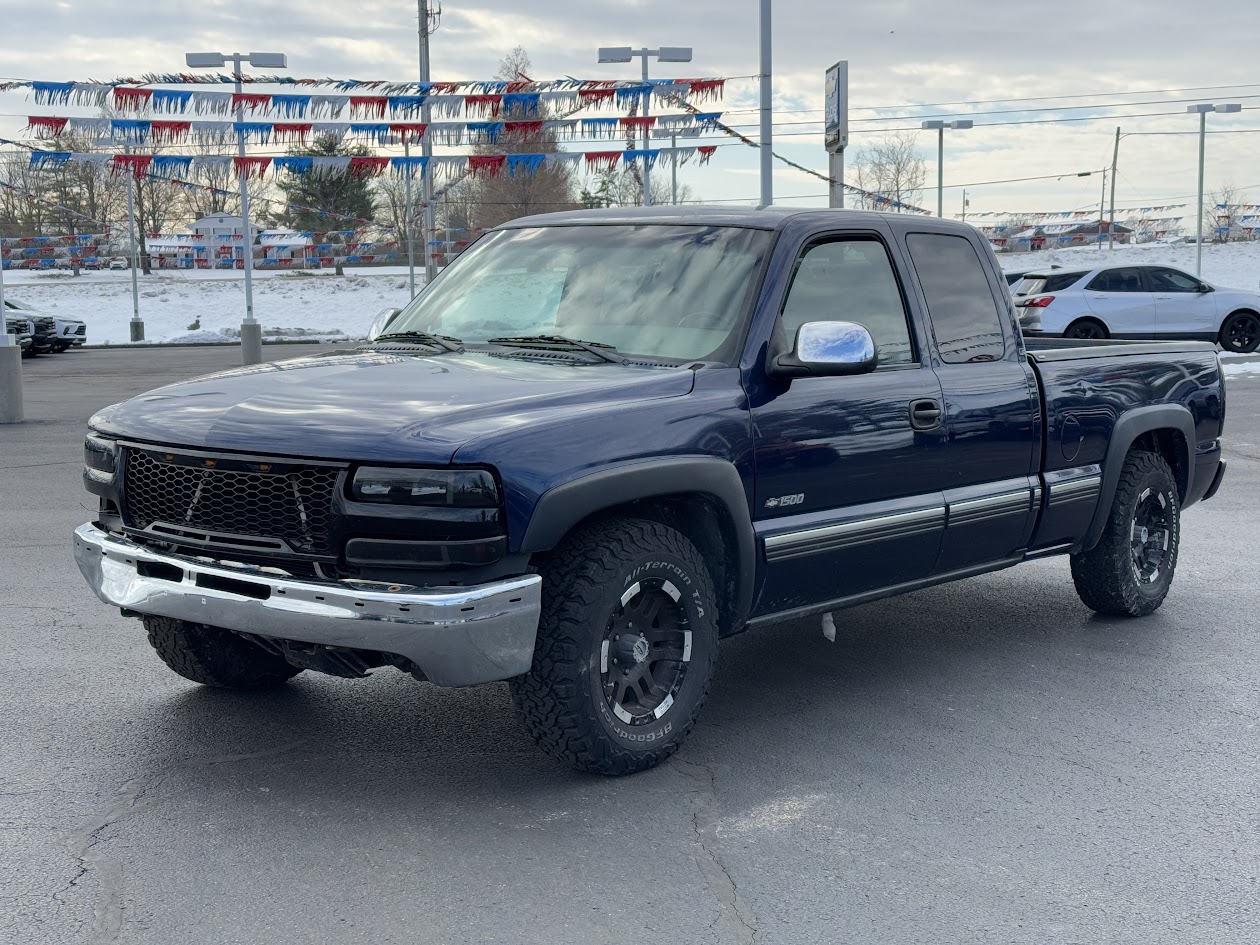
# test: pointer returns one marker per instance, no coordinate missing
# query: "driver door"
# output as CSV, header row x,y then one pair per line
x,y
848,495
1182,307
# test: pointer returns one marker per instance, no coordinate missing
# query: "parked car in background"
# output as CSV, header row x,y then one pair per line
x,y
1138,302
118,262
1014,278
23,329
66,332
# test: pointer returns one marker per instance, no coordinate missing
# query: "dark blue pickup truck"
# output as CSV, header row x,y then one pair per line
x,y
601,441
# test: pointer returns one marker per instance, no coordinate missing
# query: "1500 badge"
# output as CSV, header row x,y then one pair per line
x,y
783,501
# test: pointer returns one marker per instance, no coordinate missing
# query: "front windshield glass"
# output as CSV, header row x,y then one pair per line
x,y
654,291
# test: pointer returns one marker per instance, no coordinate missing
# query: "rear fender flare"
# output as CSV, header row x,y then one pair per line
x,y
1131,425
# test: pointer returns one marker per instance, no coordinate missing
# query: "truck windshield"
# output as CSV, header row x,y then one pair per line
x,y
654,291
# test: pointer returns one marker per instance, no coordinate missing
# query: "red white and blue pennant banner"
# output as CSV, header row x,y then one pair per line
x,y
595,95
158,132
482,166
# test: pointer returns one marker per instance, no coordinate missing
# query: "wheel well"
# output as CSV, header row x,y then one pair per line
x,y
1093,321
1170,444
706,523
1237,311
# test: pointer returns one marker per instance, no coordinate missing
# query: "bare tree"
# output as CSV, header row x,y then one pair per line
x,y
623,188
1221,214
544,189
891,168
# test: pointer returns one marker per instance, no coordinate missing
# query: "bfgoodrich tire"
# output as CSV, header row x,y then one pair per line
x,y
1130,571
626,647
215,657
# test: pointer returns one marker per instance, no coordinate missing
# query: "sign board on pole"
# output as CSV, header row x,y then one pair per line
x,y
836,107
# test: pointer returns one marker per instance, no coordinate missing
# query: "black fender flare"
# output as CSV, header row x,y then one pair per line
x,y
1131,425
562,507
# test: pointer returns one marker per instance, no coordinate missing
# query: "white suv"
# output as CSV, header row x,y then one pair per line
x,y
1138,302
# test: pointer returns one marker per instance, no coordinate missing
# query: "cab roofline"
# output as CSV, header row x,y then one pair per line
x,y
761,218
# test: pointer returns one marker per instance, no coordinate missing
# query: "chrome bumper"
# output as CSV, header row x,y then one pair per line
x,y
456,636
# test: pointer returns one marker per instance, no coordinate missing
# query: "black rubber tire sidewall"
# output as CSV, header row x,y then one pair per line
x,y
215,657
1104,576
1099,333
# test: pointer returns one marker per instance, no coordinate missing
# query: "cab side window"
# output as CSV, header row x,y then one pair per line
x,y
850,280
966,319
1117,280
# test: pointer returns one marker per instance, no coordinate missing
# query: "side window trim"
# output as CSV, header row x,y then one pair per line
x,y
894,265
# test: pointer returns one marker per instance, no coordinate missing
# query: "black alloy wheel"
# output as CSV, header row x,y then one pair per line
x,y
645,651
1151,536
1241,333
1085,330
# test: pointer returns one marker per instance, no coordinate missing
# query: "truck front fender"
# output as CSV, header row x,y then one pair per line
x,y
566,505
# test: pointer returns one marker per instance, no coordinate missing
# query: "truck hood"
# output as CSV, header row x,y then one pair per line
x,y
376,406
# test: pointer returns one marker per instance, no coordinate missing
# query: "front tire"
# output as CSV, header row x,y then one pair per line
x,y
215,657
626,647
1240,333
1130,571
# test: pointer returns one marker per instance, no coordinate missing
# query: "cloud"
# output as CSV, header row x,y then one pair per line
x,y
901,52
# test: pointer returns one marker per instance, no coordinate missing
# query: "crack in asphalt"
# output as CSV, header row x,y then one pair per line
x,y
704,821
132,796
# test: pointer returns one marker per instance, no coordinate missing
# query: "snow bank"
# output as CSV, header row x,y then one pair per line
x,y
320,305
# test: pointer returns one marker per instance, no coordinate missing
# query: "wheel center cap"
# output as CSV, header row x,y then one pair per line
x,y
1143,535
640,649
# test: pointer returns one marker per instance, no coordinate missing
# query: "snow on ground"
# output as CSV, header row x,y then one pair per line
x,y
288,304
1230,265
322,304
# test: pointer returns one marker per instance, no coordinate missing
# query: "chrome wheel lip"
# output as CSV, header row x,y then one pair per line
x,y
642,667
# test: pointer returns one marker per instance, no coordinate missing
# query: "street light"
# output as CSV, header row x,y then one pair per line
x,y
251,331
939,127
664,54
1202,111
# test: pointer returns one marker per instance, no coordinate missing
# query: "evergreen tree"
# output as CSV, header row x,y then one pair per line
x,y
343,194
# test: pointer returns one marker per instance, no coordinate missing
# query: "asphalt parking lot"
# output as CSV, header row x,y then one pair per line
x,y
985,762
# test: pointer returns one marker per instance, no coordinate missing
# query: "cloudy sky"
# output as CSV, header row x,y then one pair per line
x,y
906,56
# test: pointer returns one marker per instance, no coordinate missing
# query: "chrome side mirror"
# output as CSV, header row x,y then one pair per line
x,y
828,349
381,322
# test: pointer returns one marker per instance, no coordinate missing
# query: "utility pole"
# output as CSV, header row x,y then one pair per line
x,y
964,207
137,324
767,104
424,29
1102,207
1111,228
409,222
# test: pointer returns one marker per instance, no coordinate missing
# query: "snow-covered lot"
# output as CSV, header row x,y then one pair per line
x,y
322,304
286,303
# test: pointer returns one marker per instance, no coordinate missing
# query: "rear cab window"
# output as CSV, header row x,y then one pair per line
x,y
965,318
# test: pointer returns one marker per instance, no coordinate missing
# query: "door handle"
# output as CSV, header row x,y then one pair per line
x,y
925,414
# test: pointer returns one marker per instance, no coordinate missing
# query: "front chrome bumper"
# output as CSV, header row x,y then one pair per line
x,y
456,636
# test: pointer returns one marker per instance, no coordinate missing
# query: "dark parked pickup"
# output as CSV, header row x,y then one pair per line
x,y
600,441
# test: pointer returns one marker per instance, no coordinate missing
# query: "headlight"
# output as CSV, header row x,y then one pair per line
x,y
462,488
100,454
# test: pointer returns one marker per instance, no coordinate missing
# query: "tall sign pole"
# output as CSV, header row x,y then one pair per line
x,y
836,122
430,268
767,110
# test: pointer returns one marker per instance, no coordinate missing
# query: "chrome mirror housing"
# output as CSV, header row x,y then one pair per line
x,y
828,348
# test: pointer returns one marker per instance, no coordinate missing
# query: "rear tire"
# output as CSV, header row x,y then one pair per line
x,y
216,657
1240,333
1086,328
1130,571
626,647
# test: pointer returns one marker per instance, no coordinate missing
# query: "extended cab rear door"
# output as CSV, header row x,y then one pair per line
x,y
992,406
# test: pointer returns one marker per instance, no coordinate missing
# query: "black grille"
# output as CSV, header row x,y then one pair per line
x,y
183,498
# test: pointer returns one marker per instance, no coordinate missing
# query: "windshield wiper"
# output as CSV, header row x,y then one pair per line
x,y
423,337
599,349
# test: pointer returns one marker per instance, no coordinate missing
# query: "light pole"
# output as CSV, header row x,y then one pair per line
x,y
1202,111
251,331
939,127
664,54
10,364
